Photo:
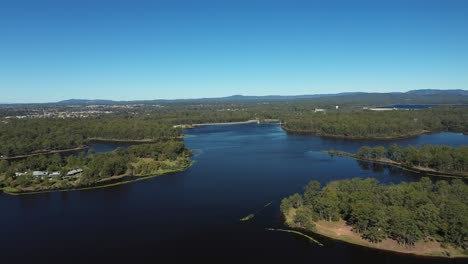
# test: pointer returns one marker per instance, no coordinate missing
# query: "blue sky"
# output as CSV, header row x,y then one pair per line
x,y
126,50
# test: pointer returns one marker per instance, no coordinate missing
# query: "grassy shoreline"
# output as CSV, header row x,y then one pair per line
x,y
342,232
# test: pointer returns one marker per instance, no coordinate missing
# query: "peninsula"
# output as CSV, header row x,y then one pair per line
x,y
421,218
430,159
124,165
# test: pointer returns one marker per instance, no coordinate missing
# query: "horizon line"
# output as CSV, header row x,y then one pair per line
x,y
223,97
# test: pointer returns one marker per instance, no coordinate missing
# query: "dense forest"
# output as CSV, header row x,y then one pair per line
x,y
32,135
439,158
136,160
407,212
378,124
19,137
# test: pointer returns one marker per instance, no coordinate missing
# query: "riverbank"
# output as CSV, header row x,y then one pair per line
x,y
339,230
390,162
103,183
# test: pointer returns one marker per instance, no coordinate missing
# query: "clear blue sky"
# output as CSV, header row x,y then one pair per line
x,y
125,50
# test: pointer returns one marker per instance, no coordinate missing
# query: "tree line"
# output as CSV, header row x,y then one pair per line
x,y
440,158
377,124
407,212
26,136
139,159
30,135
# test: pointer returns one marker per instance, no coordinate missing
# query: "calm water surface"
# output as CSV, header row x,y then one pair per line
x,y
195,214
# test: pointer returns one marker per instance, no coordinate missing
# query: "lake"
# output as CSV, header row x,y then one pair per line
x,y
195,214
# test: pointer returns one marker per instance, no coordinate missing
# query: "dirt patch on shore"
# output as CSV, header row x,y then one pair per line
x,y
341,231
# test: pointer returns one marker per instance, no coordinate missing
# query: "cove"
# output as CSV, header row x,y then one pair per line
x,y
195,214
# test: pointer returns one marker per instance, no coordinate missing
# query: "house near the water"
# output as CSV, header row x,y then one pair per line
x,y
17,174
40,173
74,172
55,174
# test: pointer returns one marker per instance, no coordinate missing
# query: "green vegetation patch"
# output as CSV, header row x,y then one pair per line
x,y
251,216
247,218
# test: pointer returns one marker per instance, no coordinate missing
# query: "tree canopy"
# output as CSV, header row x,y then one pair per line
x,y
440,158
407,212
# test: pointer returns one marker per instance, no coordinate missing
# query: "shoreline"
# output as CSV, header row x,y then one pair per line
x,y
355,239
145,140
252,121
428,171
227,123
82,147
46,153
118,177
340,231
310,133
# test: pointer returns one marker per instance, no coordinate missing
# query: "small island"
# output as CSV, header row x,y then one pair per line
x,y
421,218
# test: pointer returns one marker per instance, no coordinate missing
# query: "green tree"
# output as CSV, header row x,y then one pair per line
x,y
378,152
403,227
327,205
364,153
24,180
311,193
4,166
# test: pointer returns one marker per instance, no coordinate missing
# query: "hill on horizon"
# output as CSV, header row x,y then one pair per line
x,y
422,96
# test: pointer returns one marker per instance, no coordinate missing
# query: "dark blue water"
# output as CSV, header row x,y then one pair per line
x,y
194,215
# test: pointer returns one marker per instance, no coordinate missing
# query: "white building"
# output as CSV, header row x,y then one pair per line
x,y
55,174
74,172
17,174
40,173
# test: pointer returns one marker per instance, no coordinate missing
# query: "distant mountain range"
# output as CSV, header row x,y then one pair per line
x,y
413,96
212,99
424,96
435,91
85,101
